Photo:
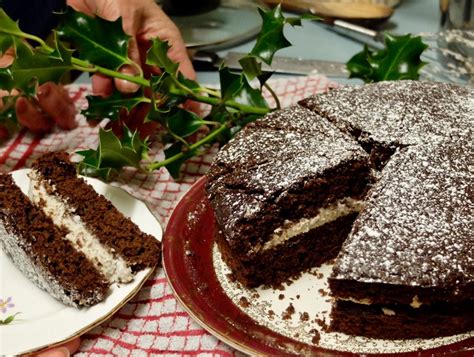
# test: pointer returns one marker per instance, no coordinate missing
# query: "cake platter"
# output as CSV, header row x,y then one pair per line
x,y
40,321
289,320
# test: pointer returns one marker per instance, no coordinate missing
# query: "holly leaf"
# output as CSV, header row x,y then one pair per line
x,y
271,37
157,55
113,154
32,67
101,42
236,87
400,59
110,107
9,30
174,167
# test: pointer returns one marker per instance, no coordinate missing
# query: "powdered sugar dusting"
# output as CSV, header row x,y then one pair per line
x,y
418,221
399,113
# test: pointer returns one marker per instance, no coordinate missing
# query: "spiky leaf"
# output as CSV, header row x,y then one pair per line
x,y
31,68
157,55
400,59
113,154
101,42
111,107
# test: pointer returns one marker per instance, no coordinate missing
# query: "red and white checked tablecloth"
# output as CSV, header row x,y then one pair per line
x,y
153,323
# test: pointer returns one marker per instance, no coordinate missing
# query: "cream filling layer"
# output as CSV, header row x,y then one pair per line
x,y
328,214
113,267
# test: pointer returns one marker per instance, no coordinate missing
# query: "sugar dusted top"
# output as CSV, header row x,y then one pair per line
x,y
399,113
418,223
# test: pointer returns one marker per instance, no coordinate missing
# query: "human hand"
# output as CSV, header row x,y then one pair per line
x,y
143,20
51,106
63,350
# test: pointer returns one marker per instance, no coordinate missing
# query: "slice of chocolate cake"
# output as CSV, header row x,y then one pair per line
x,y
385,116
285,191
407,268
38,248
112,242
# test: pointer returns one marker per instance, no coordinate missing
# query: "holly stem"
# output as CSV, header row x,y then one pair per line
x,y
196,145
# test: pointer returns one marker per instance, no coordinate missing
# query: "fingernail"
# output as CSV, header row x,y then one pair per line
x,y
21,106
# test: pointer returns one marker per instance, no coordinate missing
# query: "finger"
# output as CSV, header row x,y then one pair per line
x,y
102,85
125,86
7,58
55,102
31,117
63,350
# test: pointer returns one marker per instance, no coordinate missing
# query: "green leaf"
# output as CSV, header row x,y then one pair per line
x,y
110,107
101,42
9,30
32,67
271,37
8,118
174,167
400,59
231,83
9,319
157,55
182,122
113,154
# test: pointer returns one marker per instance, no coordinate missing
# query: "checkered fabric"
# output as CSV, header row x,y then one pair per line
x,y
153,323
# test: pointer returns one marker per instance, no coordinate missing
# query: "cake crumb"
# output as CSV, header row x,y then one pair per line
x,y
281,296
298,296
290,310
271,314
255,295
243,302
316,336
322,323
304,316
231,277
323,292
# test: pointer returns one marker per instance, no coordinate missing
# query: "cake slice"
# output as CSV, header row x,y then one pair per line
x,y
39,249
113,243
285,192
384,116
407,268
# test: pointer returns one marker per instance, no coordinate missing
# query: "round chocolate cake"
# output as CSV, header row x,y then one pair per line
x,y
380,176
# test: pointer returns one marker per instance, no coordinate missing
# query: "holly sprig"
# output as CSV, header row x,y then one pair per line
x,y
400,59
101,46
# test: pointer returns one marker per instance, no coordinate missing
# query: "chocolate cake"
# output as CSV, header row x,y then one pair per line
x,y
282,203
113,243
385,116
38,248
407,267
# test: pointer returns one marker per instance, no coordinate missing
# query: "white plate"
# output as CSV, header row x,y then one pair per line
x,y
43,321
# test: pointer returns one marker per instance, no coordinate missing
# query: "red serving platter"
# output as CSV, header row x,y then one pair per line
x,y
188,263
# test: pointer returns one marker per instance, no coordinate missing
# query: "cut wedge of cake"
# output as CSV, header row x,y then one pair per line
x,y
40,251
407,268
113,243
285,192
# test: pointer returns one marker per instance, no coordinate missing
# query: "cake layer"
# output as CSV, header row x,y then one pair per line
x,y
273,266
402,322
286,182
388,115
415,235
38,249
54,182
